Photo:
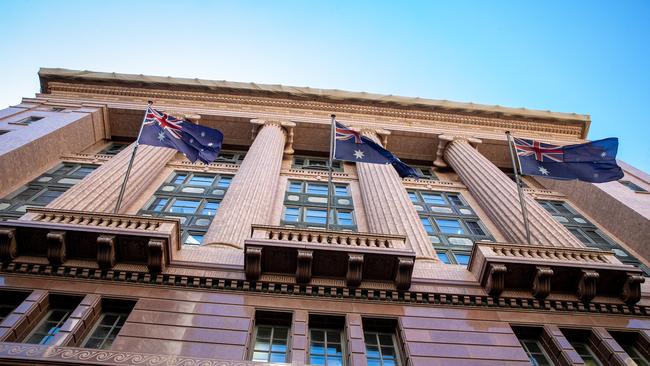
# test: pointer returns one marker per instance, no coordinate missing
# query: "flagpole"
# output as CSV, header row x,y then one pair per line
x,y
517,170
329,177
128,169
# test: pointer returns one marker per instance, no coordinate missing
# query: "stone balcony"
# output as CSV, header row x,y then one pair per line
x,y
311,253
544,270
59,236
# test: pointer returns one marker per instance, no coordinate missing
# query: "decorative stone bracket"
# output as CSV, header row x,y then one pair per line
x,y
354,257
544,271
104,238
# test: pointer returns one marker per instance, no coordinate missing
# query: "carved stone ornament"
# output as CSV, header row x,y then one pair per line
x,y
156,255
56,247
588,285
7,244
542,282
632,288
496,279
253,263
404,273
106,251
303,268
355,270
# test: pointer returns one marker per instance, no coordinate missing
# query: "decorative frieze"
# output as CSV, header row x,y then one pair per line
x,y
106,251
56,251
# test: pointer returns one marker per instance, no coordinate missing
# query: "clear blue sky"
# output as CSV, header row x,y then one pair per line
x,y
585,57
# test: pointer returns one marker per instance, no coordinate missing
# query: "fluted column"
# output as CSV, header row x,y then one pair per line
x,y
249,199
497,194
388,207
98,191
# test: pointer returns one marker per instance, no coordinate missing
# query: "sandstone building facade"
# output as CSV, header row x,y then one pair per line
x,y
229,263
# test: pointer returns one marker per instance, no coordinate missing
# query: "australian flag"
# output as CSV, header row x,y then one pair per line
x,y
593,161
351,146
196,142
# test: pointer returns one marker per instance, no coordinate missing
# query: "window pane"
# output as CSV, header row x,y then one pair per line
x,y
295,187
47,196
194,239
448,226
342,190
179,179
433,198
314,188
210,208
345,218
427,225
444,258
475,228
201,180
455,200
413,196
462,258
158,204
291,214
224,182
315,216
84,171
184,206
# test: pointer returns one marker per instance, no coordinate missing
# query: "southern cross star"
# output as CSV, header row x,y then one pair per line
x,y
543,170
602,154
161,136
358,154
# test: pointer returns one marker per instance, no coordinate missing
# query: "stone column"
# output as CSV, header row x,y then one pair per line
x,y
249,199
98,191
497,194
388,207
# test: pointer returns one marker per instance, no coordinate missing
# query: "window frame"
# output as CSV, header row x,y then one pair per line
x,y
385,327
26,121
273,319
459,210
175,188
121,308
297,196
303,162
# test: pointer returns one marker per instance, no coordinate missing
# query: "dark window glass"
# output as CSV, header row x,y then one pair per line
x,y
452,225
305,205
381,342
9,300
579,340
633,344
632,186
44,189
271,337
60,309
193,198
27,120
231,157
326,340
587,232
313,163
529,338
113,317
114,148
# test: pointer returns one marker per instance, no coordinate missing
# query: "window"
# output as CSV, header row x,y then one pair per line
x,y
2,132
27,121
452,225
271,337
326,340
230,157
9,300
111,320
305,205
632,186
191,197
114,148
59,311
630,342
381,342
427,172
580,341
530,339
57,109
587,232
313,163
44,189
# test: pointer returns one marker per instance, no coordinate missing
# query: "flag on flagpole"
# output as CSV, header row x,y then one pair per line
x,y
196,142
351,146
593,161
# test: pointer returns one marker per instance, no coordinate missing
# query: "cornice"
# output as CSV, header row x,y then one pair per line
x,y
334,293
449,119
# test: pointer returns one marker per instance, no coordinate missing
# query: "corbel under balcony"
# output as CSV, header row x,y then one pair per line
x,y
105,239
545,270
314,253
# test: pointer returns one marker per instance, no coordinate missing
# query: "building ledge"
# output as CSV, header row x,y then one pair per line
x,y
309,253
108,239
545,270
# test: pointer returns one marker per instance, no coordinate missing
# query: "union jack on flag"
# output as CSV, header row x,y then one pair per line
x,y
343,133
194,141
168,123
541,151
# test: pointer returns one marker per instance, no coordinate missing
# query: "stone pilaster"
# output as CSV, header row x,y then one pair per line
x,y
388,207
98,192
497,194
249,199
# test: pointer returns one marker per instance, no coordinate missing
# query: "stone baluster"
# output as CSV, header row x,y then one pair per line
x,y
98,191
249,199
388,207
497,194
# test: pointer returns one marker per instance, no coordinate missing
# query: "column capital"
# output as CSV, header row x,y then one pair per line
x,y
284,125
444,140
376,134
